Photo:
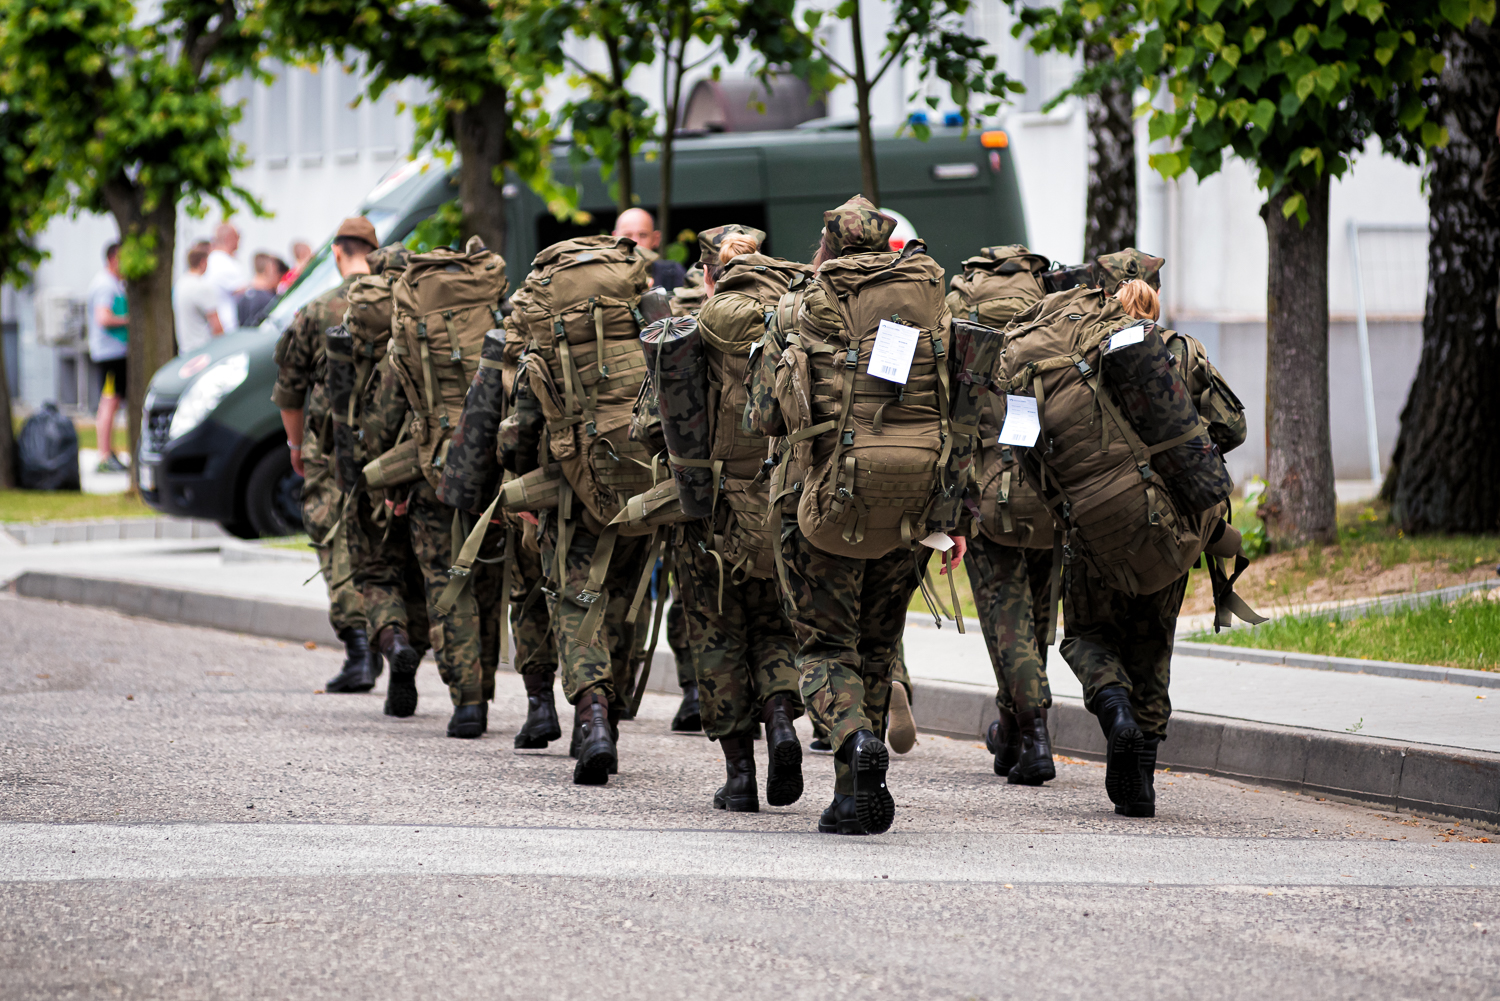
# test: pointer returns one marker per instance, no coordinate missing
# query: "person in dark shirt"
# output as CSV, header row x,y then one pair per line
x,y
638,225
252,303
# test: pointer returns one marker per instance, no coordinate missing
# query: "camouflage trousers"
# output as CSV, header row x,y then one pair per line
x,y
387,574
606,665
322,504
465,643
849,615
1112,638
1012,593
677,631
744,649
530,628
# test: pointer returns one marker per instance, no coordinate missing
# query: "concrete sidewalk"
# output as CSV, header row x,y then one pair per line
x,y
1411,744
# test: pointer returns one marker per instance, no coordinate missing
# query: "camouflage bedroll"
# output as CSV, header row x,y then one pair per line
x,y
674,355
471,472
976,355
1154,397
1094,470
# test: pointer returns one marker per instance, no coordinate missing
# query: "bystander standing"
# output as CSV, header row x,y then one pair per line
x,y
195,303
107,334
269,271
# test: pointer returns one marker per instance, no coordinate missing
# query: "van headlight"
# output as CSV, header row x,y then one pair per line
x,y
207,391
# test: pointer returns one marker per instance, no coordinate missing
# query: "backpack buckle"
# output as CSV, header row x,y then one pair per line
x,y
590,429
443,421
587,597
1084,368
457,571
1145,471
848,437
851,357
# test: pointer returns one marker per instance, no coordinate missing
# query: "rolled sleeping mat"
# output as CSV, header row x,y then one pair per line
x,y
338,349
522,441
973,360
1154,398
674,356
471,471
1070,276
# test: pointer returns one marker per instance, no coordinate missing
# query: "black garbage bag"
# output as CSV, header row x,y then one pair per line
x,y
47,451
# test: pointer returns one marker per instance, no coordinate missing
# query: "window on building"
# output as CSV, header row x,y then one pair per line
x,y
382,122
349,86
1045,77
243,92
278,117
310,118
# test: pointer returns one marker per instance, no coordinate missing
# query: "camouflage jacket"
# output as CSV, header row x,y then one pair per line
x,y
299,353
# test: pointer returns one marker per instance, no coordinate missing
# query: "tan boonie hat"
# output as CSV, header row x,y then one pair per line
x,y
711,240
359,228
857,225
1123,265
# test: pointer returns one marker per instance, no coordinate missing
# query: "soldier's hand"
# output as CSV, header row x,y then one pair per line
x,y
296,451
960,546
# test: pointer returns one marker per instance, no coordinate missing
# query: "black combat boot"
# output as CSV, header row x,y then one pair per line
x,y
1034,765
1003,740
737,794
597,757
866,756
541,724
355,675
401,690
689,718
783,754
1145,805
839,817
1122,745
469,721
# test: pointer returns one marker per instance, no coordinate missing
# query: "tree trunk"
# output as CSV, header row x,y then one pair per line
x,y
1445,474
7,431
152,329
480,130
671,83
1111,194
868,178
624,167
1299,503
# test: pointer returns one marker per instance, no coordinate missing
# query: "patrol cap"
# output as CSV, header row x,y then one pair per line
x,y
857,225
359,228
1123,265
710,240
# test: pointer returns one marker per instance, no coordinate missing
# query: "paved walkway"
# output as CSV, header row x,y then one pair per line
x,y
1400,709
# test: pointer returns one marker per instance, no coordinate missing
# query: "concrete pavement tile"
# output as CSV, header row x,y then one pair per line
x,y
1353,766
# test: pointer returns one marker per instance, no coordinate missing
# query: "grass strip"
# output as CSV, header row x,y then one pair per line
x,y
69,505
1465,633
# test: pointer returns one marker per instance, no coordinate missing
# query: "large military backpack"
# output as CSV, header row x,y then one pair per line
x,y
442,306
579,312
874,442
996,284
1095,470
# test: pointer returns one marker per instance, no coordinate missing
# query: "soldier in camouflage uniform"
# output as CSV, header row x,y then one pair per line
x,y
301,395
534,651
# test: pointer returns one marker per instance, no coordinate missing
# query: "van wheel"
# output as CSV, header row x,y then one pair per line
x,y
273,497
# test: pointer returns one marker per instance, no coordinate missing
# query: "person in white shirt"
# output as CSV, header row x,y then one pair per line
x,y
107,332
195,303
226,272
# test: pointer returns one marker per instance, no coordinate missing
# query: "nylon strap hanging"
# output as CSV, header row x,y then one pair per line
x,y
506,582
661,604
467,553
430,396
958,611
592,596
599,339
1054,588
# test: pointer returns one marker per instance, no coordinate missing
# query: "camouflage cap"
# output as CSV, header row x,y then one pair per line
x,y
1123,265
391,257
857,225
710,240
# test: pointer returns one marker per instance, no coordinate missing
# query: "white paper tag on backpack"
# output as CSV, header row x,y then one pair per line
x,y
1021,426
1133,334
895,346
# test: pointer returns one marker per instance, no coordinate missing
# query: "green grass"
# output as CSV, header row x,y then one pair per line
x,y
1465,634
297,542
65,505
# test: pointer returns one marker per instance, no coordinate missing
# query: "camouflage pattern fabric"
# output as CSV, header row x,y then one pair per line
x,y
534,651
387,575
322,504
604,667
1116,269
711,241
392,257
857,226
1111,638
1012,587
299,353
689,297
744,648
849,615
677,639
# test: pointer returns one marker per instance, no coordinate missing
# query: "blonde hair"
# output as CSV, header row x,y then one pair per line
x,y
1139,300
735,245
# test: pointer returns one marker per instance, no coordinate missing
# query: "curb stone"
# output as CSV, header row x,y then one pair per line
x,y
1349,665
1422,778
121,529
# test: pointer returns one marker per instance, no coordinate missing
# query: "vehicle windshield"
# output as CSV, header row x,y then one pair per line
x,y
320,275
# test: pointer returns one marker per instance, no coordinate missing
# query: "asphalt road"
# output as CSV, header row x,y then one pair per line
x,y
182,815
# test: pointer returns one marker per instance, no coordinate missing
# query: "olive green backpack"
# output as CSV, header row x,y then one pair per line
x,y
996,284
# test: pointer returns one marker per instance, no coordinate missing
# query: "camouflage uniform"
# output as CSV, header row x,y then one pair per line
x,y
849,615
1012,591
1112,638
535,652
465,643
300,375
604,667
678,637
743,645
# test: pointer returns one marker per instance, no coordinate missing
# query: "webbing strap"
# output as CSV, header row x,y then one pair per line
x,y
1054,588
506,577
592,596
1226,602
958,611
570,397
945,429
1007,524
430,396
1137,446
463,563
1181,439
599,339
491,363
812,432
564,531
661,604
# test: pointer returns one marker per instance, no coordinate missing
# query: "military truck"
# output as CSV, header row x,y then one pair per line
x,y
213,445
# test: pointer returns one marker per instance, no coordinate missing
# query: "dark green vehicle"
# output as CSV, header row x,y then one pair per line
x,y
213,445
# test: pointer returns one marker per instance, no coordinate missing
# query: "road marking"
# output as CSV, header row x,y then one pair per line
x,y
54,852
